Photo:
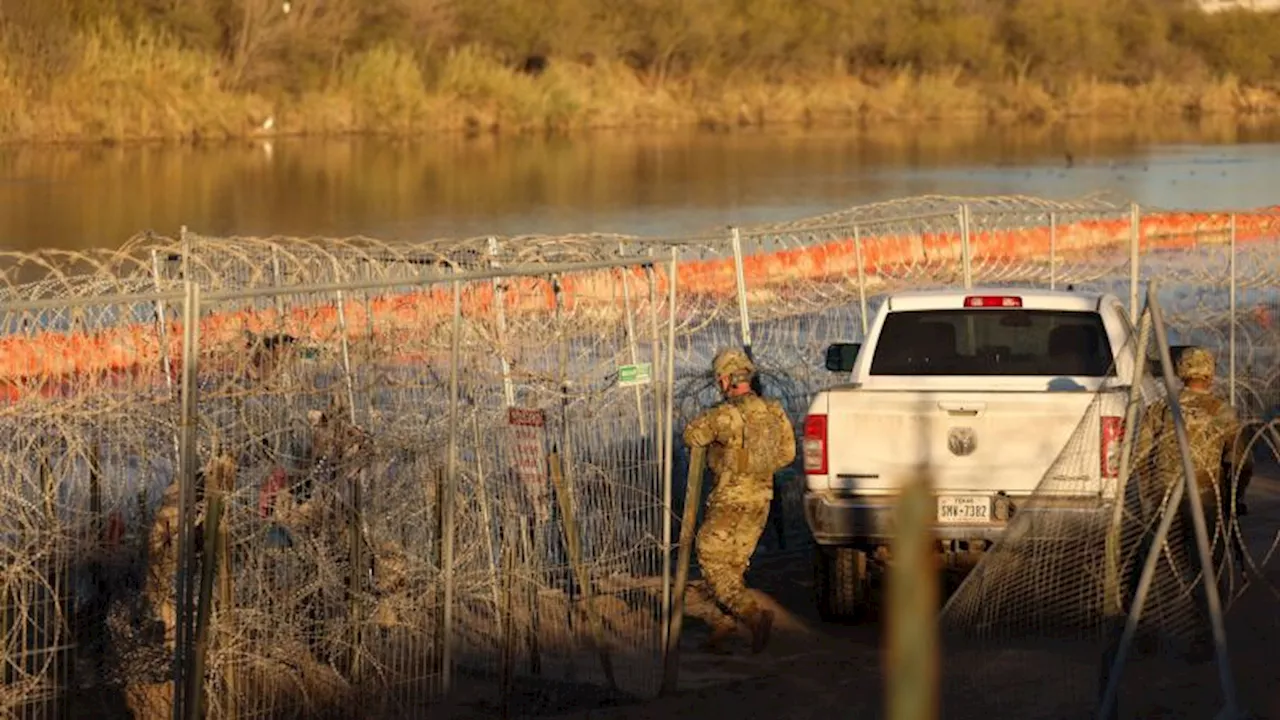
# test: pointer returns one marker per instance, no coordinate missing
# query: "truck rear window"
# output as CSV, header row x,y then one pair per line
x,y
993,342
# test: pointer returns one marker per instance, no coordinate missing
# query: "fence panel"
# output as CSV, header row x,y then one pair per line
x,y
348,440
85,461
334,598
374,378
561,476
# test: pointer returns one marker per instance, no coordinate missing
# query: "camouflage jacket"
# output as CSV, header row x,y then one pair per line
x,y
1213,433
748,439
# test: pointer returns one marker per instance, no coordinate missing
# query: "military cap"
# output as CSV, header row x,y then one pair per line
x,y
732,361
1195,363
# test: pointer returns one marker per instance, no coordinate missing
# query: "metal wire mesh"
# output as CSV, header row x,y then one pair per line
x,y
350,426
292,629
561,474
1052,596
84,460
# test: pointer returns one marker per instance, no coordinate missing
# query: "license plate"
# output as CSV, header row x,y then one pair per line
x,y
964,509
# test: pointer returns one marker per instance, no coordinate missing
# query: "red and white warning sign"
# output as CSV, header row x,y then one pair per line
x,y
527,430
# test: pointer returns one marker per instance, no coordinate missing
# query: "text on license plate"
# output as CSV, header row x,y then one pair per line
x,y
964,508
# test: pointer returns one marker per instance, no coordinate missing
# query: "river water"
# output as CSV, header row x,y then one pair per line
x,y
639,183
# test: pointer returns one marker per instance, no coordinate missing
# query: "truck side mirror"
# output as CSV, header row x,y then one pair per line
x,y
842,356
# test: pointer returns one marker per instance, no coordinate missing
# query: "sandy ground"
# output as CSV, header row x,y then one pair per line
x,y
813,669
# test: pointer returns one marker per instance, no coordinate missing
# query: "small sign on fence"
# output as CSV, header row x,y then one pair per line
x,y
629,375
526,417
527,430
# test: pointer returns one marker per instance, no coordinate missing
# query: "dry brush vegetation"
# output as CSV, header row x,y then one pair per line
x,y
192,69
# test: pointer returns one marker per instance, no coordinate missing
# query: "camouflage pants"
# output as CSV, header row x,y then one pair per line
x,y
1178,605
726,541
1189,565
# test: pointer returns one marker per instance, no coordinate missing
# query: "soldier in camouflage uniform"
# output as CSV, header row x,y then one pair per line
x,y
1217,452
1213,431
749,438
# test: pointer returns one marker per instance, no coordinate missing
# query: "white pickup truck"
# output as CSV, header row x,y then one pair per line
x,y
985,388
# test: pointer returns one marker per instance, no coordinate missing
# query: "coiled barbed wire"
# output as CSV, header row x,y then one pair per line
x,y
299,607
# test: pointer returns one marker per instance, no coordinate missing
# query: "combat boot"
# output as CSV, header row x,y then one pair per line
x,y
761,624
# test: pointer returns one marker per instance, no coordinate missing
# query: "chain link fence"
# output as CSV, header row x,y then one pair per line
x,y
405,469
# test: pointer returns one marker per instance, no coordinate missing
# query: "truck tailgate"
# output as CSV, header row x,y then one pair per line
x,y
971,442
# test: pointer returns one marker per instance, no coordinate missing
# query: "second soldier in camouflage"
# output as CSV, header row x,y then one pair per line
x,y
748,438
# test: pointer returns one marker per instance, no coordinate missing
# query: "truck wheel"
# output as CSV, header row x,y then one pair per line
x,y
840,582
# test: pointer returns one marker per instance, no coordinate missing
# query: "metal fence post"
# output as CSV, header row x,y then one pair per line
x,y
862,278
162,331
1112,601
662,431
966,259
509,400
277,280
355,515
486,516
500,310
188,457
1135,240
631,341
220,478
655,356
1053,251
744,316
226,601
1231,298
447,496
693,496
912,640
561,449
184,245
668,448
1176,496
344,344
532,536
1207,574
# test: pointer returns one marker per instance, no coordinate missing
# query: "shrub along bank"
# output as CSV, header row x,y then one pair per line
x,y
131,69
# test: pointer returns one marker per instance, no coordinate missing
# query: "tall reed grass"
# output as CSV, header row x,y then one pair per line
x,y
140,84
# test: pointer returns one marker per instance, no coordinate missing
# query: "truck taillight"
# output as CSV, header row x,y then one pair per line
x,y
815,445
1008,301
1112,434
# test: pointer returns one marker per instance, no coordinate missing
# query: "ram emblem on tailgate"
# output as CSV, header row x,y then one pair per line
x,y
961,441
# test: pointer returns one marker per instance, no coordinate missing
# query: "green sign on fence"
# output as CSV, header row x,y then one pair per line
x,y
629,375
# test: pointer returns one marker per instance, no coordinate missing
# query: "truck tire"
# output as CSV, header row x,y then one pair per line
x,y
840,582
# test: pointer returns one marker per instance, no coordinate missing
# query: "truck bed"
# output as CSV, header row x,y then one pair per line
x,y
981,442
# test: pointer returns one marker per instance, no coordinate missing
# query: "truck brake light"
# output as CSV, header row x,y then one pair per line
x,y
1004,301
1112,434
815,445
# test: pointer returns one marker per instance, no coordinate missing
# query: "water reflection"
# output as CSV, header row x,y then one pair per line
x,y
73,197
